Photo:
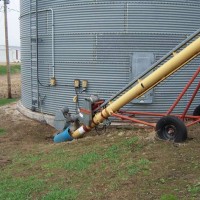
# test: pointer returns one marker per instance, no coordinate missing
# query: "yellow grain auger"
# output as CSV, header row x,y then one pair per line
x,y
168,127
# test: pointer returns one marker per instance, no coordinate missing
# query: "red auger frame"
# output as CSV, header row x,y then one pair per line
x,y
188,119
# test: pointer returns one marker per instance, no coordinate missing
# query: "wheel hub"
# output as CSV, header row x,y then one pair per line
x,y
170,132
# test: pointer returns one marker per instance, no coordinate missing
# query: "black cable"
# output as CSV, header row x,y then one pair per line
x,y
38,80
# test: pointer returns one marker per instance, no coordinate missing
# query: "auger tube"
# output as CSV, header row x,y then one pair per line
x,y
147,71
164,71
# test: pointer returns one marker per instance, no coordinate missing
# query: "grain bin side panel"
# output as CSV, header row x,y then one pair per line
x,y
96,41
25,55
163,17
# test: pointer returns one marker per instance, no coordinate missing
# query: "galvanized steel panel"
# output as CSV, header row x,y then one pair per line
x,y
94,40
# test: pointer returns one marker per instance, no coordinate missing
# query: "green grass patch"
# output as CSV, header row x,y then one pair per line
x,y
28,188
70,172
168,197
194,190
6,101
113,152
67,194
83,162
97,168
20,188
2,131
14,69
141,165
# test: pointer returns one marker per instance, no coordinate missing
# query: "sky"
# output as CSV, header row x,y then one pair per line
x,y
13,23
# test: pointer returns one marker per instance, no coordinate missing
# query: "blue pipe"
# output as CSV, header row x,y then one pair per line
x,y
63,136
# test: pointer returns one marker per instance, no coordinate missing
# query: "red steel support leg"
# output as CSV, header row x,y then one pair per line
x,y
192,123
133,120
183,92
191,100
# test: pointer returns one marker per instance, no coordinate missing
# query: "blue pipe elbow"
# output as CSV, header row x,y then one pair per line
x,y
63,136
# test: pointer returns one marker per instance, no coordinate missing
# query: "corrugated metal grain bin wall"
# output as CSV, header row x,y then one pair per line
x,y
100,41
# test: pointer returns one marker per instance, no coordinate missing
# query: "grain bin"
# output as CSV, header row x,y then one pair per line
x,y
107,43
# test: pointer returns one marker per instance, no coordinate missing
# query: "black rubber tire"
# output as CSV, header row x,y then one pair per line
x,y
197,111
171,128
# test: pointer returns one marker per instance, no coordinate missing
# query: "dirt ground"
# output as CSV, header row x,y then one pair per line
x,y
21,131
16,86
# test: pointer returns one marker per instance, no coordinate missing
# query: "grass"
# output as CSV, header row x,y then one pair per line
x,y
83,162
27,188
74,172
6,101
14,69
194,189
20,188
141,165
168,197
94,169
2,131
65,194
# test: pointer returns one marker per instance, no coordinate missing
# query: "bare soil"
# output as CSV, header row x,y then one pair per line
x,y
21,132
